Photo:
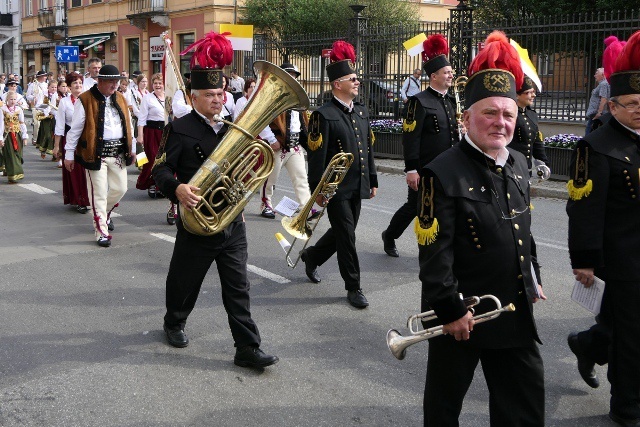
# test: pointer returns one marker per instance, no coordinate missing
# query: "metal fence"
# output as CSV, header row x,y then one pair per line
x,y
566,51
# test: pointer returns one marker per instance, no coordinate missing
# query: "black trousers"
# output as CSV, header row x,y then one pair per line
x,y
596,340
403,216
624,355
192,257
514,378
341,239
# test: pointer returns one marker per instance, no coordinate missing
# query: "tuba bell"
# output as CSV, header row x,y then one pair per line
x,y
232,173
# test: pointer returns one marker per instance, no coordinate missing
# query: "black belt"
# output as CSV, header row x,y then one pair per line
x,y
155,124
112,147
294,139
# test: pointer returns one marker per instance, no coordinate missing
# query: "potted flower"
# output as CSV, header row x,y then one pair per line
x,y
388,138
559,149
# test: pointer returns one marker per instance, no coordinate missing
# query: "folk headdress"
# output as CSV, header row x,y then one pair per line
x,y
343,60
625,79
495,71
434,54
610,55
210,55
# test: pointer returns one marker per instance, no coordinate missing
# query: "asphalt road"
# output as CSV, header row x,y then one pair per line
x,y
82,341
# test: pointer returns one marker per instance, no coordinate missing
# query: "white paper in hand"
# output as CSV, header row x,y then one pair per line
x,y
591,297
287,207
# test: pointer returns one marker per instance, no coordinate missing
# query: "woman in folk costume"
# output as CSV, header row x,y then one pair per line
x,y
150,125
15,132
47,123
74,183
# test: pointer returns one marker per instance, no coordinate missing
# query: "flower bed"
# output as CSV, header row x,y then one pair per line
x,y
388,134
559,149
562,140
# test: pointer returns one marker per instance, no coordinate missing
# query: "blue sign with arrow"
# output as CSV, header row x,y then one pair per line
x,y
67,53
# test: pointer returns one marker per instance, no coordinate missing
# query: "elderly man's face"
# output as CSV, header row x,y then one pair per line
x,y
490,123
108,86
208,102
626,110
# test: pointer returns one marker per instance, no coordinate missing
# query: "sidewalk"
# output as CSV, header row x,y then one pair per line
x,y
549,189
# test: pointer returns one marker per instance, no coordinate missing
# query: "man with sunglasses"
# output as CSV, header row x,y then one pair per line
x,y
604,230
475,239
341,125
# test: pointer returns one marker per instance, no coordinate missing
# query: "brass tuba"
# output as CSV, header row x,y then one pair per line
x,y
231,174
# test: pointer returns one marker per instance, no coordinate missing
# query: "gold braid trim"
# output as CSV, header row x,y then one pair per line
x,y
409,122
314,141
161,157
372,136
580,186
426,225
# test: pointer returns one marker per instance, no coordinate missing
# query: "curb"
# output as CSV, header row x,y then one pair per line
x,y
536,190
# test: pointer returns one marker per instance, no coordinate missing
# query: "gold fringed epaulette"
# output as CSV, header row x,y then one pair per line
x,y
426,225
540,136
409,121
580,186
372,137
314,140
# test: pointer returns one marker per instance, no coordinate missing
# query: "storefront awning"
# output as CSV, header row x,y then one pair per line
x,y
90,40
96,43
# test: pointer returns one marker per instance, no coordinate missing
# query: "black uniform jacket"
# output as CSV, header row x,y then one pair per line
x,y
339,130
527,138
477,251
435,128
604,225
186,144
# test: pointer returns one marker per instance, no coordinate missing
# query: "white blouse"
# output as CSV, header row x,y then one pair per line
x,y
23,127
65,114
136,100
150,109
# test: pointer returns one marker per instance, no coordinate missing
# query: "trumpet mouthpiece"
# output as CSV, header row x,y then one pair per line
x,y
283,242
510,307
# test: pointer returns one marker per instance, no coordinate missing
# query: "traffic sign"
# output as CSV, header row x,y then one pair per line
x,y
67,53
326,53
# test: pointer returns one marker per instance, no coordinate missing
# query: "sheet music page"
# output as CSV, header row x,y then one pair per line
x,y
589,298
287,207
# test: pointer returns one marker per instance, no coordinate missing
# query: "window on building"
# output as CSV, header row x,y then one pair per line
x,y
133,49
316,67
96,1
76,3
28,8
7,5
185,40
43,4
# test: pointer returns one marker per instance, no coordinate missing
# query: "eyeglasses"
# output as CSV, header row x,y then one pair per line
x,y
351,79
514,213
631,107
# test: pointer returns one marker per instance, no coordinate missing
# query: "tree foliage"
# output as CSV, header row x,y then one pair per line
x,y
285,19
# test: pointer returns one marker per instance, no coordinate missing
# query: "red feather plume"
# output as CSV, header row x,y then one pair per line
x,y
610,54
629,58
212,51
433,46
498,53
342,50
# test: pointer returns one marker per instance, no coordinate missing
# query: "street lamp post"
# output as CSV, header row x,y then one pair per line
x,y
357,26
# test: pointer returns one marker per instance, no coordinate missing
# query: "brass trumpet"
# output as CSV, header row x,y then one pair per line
x,y
298,226
398,344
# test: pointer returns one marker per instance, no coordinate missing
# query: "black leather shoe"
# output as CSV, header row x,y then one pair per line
x,y
310,268
389,246
176,337
253,357
104,242
110,225
171,217
585,365
625,422
357,299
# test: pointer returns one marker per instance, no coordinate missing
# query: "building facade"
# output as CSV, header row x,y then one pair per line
x,y
9,36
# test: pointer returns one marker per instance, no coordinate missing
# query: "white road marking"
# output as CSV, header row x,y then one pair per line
x,y
37,188
549,245
252,268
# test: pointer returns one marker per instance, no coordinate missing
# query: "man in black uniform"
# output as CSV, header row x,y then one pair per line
x,y
527,138
341,125
187,142
604,231
475,239
430,127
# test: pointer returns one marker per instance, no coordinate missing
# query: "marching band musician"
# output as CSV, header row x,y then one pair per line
x,y
604,228
94,66
429,128
186,143
341,125
290,130
35,96
45,140
527,138
474,238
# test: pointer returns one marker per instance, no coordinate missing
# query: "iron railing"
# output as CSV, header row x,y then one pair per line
x,y
146,6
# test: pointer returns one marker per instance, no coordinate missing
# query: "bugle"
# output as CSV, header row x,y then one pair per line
x,y
398,344
298,225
